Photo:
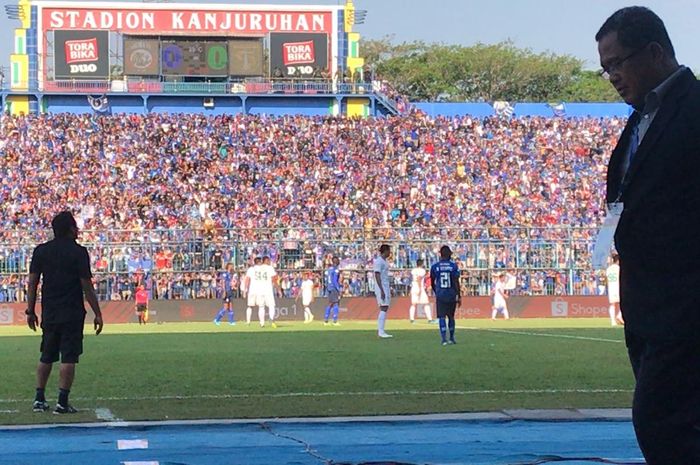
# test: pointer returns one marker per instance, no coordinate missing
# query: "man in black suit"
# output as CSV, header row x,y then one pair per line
x,y
654,172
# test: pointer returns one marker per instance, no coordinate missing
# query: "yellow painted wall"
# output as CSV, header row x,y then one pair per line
x,y
19,60
18,104
19,72
20,45
26,6
358,107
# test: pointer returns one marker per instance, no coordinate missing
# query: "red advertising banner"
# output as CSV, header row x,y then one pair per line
x,y
356,308
183,21
80,51
298,53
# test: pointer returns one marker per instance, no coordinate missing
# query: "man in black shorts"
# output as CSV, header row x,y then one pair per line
x,y
65,267
444,278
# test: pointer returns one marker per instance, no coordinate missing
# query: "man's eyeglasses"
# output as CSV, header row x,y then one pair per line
x,y
609,70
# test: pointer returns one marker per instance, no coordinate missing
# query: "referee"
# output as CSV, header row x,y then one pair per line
x,y
65,267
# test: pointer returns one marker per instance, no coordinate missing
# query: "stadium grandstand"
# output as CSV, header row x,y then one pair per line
x,y
186,138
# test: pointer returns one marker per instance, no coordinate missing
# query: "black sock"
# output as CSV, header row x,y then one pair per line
x,y
63,396
40,395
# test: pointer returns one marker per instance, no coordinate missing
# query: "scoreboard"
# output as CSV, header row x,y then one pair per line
x,y
194,58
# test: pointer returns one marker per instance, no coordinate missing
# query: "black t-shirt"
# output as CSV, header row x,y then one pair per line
x,y
62,263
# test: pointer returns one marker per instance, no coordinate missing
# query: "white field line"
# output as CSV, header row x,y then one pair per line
x,y
349,394
528,333
9,411
105,414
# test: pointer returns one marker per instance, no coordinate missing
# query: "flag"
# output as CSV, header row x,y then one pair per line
x,y
98,104
559,109
503,108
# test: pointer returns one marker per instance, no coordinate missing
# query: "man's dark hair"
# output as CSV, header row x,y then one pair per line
x,y
63,223
384,248
445,252
257,260
637,26
420,262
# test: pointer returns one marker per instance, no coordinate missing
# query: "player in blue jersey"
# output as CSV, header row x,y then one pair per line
x,y
227,289
333,289
444,278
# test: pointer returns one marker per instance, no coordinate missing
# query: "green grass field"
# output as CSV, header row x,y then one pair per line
x,y
198,370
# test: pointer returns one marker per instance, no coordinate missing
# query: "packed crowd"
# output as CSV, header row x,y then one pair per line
x,y
178,171
209,182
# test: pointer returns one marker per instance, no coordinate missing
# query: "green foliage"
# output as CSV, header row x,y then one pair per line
x,y
483,73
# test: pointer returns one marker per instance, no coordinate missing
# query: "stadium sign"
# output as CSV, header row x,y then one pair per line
x,y
297,54
143,21
81,54
7,315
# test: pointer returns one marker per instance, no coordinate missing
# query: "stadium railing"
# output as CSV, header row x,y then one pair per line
x,y
546,261
245,86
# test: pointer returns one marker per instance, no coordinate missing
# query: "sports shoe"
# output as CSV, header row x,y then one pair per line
x,y
412,321
217,323
385,335
273,324
335,323
432,322
311,318
40,406
233,323
60,409
444,343
452,341
325,323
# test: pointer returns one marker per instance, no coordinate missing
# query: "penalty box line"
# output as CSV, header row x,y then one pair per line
x,y
348,394
528,333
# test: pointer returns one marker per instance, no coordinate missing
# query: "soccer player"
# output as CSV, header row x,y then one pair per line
x,y
142,305
333,289
500,296
251,291
444,279
381,288
612,275
227,289
270,282
418,294
306,292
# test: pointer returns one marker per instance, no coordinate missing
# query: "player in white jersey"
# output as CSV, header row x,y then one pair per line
x,y
499,297
418,295
306,292
251,289
270,284
381,287
612,276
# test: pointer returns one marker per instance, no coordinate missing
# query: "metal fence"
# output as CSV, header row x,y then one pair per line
x,y
243,86
183,264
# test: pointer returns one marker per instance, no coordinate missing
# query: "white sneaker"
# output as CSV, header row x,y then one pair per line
x,y
385,335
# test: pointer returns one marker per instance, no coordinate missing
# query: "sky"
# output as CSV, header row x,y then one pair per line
x,y
558,26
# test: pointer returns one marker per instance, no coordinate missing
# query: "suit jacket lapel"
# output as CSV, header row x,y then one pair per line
x,y
617,159
669,107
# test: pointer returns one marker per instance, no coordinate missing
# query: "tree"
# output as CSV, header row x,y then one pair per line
x,y
483,73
